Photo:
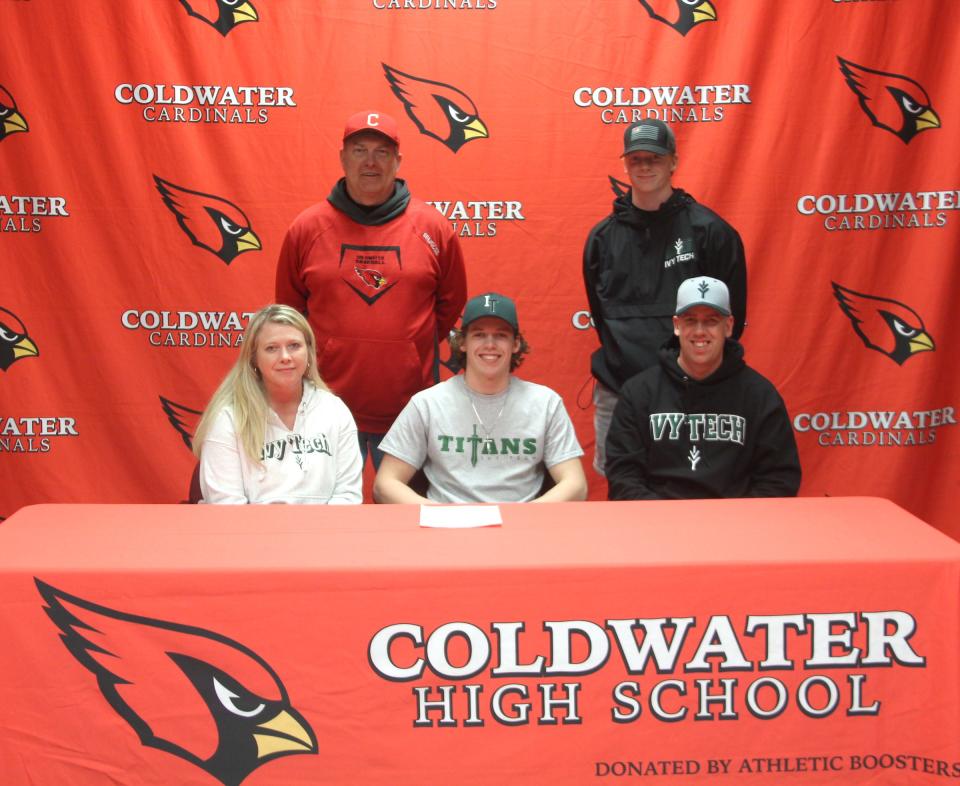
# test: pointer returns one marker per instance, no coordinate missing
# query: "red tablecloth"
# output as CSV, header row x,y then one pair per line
x,y
732,641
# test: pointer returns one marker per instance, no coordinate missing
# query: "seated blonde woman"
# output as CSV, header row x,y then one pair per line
x,y
273,432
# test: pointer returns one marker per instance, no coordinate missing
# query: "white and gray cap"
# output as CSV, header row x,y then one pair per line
x,y
703,291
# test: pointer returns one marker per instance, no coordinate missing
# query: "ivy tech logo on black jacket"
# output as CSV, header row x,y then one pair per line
x,y
15,344
11,121
681,15
210,222
221,15
156,675
439,110
887,326
893,102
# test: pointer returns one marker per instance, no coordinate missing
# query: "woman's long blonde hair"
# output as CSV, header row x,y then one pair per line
x,y
242,389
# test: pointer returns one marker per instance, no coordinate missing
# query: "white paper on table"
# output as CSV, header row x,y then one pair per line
x,y
460,516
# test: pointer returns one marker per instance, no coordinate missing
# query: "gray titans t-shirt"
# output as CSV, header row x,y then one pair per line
x,y
477,448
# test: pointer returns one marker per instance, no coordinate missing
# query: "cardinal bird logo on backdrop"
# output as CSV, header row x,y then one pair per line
x,y
15,344
11,121
222,15
884,325
183,419
184,690
893,102
681,15
437,109
619,188
210,222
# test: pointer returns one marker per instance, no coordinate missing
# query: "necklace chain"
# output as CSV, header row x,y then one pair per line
x,y
488,430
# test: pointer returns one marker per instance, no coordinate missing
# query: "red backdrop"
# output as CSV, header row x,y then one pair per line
x,y
824,131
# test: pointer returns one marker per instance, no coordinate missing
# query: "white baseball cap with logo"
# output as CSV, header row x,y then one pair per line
x,y
703,291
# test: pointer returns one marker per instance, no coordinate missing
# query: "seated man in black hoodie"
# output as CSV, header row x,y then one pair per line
x,y
701,424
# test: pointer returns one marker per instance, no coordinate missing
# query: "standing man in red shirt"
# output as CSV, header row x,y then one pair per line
x,y
380,276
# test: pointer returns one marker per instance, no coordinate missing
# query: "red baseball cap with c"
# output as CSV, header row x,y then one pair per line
x,y
371,120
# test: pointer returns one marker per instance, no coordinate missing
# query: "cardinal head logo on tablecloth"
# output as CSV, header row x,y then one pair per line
x,y
210,221
887,326
681,15
185,690
893,102
439,110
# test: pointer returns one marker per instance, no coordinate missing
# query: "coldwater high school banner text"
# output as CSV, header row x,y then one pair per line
x,y
565,647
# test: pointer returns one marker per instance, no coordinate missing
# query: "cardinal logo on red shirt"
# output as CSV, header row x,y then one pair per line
x,y
371,278
188,691
370,271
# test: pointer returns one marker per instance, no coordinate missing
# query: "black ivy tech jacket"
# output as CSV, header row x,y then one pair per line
x,y
673,437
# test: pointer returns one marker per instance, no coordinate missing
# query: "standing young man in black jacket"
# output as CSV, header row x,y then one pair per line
x,y
635,259
702,423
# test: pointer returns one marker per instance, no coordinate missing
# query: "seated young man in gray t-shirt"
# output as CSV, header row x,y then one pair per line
x,y
484,435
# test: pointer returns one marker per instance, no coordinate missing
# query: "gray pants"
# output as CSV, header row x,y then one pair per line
x,y
604,401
